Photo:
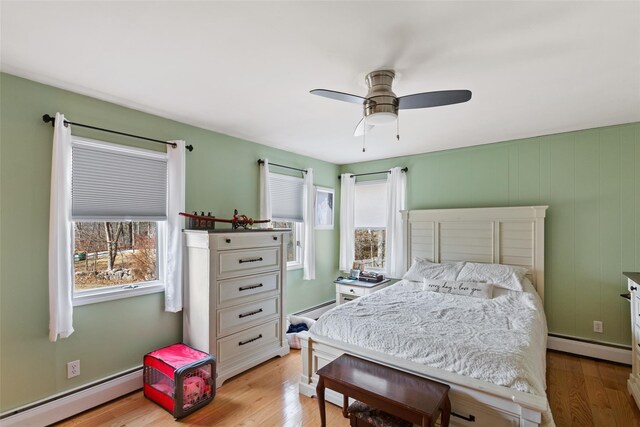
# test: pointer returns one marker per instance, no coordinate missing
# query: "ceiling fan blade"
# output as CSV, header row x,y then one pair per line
x,y
362,128
434,99
340,96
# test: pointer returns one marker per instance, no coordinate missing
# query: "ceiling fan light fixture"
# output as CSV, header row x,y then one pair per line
x,y
381,118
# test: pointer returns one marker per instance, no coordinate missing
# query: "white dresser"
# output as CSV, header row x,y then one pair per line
x,y
234,299
634,379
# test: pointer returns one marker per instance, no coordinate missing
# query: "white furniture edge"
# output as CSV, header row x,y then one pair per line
x,y
633,383
597,351
70,403
466,393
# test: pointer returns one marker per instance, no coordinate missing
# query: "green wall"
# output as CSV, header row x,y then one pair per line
x,y
591,181
109,337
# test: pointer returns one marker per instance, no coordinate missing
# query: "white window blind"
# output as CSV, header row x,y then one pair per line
x,y
371,204
118,183
286,197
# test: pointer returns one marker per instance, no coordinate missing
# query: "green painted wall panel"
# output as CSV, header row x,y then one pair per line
x,y
561,264
586,221
610,256
591,181
628,169
109,337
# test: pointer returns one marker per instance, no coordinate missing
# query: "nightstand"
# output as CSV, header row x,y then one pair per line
x,y
348,291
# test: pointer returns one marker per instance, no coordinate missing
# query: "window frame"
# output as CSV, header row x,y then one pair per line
x,y
376,269
296,230
128,290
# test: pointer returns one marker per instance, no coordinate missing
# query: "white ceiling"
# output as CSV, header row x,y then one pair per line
x,y
245,68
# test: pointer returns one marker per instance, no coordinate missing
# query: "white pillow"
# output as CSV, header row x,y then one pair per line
x,y
423,269
470,289
501,275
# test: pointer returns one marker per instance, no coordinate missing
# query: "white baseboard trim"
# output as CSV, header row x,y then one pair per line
x,y
597,351
65,405
317,311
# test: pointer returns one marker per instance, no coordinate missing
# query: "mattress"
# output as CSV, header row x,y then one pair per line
x,y
501,340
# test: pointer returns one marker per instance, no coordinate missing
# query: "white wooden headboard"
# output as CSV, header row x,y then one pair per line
x,y
512,235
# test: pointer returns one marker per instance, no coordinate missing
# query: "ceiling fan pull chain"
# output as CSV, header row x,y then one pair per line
x,y
364,134
398,128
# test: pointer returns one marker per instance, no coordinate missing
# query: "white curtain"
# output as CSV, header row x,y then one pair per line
x,y
265,193
309,217
60,237
174,226
396,195
347,227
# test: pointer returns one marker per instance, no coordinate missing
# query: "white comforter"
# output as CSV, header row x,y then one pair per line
x,y
500,340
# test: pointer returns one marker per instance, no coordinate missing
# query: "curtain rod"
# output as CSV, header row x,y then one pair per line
x,y
260,162
404,169
48,119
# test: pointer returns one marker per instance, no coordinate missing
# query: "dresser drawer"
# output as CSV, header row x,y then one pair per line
x,y
254,240
239,263
238,317
238,290
234,348
352,290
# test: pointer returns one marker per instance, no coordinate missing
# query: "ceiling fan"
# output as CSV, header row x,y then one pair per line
x,y
381,105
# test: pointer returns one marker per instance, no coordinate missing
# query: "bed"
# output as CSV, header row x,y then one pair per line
x,y
499,382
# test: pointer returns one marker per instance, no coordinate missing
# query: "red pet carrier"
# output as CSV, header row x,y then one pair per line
x,y
179,378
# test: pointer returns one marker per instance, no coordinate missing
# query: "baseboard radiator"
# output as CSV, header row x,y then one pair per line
x,y
72,402
316,311
597,350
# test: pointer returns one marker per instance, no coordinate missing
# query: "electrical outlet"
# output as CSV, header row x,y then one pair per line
x,y
73,369
597,326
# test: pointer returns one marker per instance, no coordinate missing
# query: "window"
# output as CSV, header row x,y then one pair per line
x,y
114,253
119,205
294,246
286,212
370,220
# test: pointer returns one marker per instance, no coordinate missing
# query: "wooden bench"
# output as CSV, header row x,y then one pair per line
x,y
406,396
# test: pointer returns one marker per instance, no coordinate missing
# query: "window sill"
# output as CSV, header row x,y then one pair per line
x,y
294,267
92,297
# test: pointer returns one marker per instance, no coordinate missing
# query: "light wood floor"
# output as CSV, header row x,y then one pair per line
x,y
582,392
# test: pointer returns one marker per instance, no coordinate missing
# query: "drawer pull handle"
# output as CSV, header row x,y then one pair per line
x,y
251,340
249,260
352,291
250,313
470,418
275,237
246,288
228,240
633,288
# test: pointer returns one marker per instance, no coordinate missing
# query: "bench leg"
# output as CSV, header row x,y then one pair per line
x,y
320,396
345,405
446,413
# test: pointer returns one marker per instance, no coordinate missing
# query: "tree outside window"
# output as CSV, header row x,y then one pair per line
x,y
114,253
370,247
